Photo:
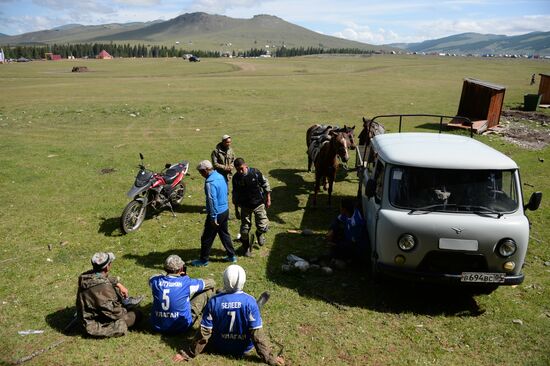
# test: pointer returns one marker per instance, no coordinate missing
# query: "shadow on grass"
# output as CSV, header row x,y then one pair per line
x,y
64,321
285,198
156,260
352,287
111,226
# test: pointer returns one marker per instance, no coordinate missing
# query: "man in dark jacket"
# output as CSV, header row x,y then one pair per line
x,y
251,192
100,298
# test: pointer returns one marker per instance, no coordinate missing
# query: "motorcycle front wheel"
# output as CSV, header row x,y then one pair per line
x,y
132,216
178,193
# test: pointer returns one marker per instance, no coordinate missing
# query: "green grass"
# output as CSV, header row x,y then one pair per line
x,y
59,129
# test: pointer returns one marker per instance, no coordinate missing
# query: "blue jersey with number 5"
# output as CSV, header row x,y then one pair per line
x,y
231,317
171,312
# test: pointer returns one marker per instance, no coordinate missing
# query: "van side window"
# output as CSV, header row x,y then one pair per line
x,y
379,179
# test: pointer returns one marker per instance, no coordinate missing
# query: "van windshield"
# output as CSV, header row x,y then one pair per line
x,y
447,190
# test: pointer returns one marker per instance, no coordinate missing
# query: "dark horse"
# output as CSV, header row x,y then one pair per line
x,y
370,129
332,143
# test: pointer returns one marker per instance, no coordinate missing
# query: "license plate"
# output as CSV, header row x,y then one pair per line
x,y
483,277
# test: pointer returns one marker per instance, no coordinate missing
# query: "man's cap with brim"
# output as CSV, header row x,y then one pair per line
x,y
173,263
101,260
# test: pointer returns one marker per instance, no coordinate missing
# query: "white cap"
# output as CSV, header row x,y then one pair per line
x,y
234,278
225,137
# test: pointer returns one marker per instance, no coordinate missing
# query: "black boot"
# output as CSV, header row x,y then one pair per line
x,y
262,299
247,248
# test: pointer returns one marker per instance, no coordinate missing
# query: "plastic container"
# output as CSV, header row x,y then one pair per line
x,y
531,102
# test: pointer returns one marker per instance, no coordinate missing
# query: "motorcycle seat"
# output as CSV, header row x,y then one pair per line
x,y
170,175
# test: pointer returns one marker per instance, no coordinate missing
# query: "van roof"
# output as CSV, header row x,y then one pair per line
x,y
433,150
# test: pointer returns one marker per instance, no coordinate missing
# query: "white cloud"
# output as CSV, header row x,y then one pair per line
x,y
138,2
365,35
508,26
222,6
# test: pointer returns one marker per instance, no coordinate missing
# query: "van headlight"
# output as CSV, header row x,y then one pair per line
x,y
406,242
506,247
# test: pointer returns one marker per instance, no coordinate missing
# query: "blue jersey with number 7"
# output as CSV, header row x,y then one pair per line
x,y
231,316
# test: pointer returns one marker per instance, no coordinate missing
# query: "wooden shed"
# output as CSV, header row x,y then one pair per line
x,y
481,102
544,88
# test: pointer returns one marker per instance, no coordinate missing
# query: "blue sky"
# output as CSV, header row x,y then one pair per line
x,y
375,22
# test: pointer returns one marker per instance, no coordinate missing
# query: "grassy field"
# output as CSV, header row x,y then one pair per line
x,y
59,130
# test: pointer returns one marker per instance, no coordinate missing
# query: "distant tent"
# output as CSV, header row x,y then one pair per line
x,y
104,55
1,56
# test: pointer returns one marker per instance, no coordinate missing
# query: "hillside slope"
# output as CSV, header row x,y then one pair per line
x,y
195,31
530,43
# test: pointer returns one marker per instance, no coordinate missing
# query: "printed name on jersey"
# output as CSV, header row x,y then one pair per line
x,y
167,314
233,336
231,305
163,283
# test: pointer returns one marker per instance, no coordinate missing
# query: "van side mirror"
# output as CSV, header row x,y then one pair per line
x,y
370,188
534,201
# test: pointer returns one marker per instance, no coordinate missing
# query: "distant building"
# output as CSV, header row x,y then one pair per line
x,y
104,55
52,57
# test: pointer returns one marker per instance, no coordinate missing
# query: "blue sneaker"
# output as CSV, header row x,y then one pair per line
x,y
229,259
199,263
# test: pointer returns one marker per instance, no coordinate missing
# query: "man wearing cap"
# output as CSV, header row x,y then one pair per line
x,y
100,298
251,192
231,323
178,300
223,157
217,215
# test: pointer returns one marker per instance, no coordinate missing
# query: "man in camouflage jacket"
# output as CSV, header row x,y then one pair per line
x,y
223,157
99,301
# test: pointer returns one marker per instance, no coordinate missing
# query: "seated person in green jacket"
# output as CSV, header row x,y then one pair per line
x,y
102,303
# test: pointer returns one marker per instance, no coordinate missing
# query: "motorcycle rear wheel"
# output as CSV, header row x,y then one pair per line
x,y
178,194
132,216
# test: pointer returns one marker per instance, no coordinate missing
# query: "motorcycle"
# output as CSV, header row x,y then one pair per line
x,y
155,190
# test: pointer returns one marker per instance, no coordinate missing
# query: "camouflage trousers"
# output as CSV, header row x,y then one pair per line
x,y
198,302
260,219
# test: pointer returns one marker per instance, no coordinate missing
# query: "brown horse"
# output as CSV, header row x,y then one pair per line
x,y
332,145
322,132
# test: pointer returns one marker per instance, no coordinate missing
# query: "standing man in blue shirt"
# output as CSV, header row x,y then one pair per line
x,y
217,215
231,323
178,300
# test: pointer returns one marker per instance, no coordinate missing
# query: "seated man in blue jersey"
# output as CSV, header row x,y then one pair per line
x,y
231,323
178,300
347,233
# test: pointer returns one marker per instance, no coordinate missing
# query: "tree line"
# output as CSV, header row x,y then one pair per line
x,y
91,50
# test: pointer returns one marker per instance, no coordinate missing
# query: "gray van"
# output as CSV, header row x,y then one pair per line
x,y
444,208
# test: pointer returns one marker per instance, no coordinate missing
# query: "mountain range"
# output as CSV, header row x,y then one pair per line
x,y
203,31
475,43
194,31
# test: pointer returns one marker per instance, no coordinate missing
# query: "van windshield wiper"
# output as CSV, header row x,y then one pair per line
x,y
429,208
477,209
